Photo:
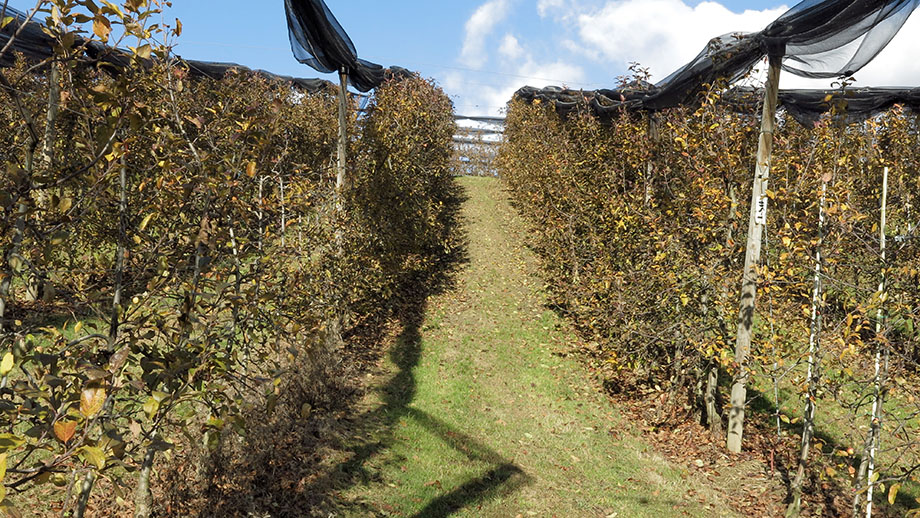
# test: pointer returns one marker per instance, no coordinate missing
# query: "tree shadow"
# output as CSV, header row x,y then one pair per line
x,y
288,466
831,491
504,477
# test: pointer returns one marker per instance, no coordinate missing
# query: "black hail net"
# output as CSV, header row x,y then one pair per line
x,y
318,40
816,39
34,45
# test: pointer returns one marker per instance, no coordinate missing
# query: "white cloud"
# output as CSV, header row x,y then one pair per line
x,y
478,28
511,48
485,99
545,6
588,43
663,34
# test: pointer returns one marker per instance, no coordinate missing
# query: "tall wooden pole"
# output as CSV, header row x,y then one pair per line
x,y
343,139
335,323
758,220
653,137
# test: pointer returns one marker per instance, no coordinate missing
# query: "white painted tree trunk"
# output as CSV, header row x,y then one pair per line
x,y
814,363
881,358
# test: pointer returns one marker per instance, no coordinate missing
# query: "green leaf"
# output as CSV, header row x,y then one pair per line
x,y
59,238
6,21
9,442
93,455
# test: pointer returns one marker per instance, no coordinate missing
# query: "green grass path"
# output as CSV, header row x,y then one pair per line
x,y
475,414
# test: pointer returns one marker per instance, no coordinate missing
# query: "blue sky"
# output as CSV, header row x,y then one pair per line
x,y
481,51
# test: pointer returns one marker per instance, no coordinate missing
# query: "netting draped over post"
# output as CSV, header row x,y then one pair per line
x,y
319,41
832,38
804,106
817,38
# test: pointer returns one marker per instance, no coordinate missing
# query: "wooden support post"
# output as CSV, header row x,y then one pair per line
x,y
758,219
653,137
335,324
343,139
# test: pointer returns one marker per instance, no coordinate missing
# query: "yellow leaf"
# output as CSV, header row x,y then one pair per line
x,y
893,493
2,468
143,51
151,407
251,169
787,242
93,455
91,400
7,364
145,222
78,327
114,8
102,27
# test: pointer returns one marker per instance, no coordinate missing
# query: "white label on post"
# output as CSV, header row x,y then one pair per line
x,y
760,217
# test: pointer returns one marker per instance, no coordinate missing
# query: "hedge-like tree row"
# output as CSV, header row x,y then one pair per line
x,y
641,223
176,258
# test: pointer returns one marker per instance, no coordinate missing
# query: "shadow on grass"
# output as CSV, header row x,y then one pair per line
x,y
288,466
833,492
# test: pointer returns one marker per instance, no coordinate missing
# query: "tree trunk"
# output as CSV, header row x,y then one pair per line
x,y
86,490
143,499
34,284
711,399
814,364
867,466
283,212
119,254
